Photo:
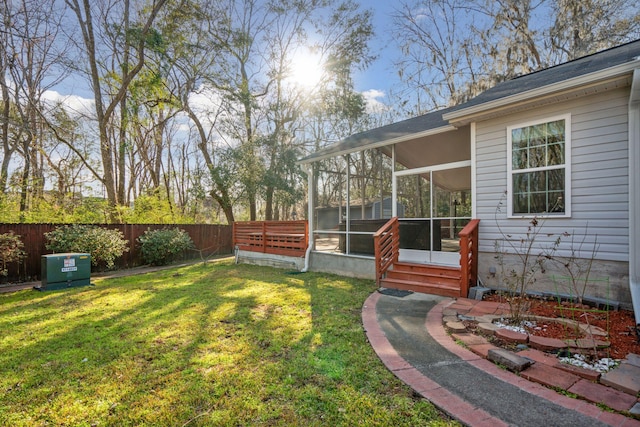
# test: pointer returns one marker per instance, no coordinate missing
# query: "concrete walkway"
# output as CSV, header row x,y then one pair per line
x,y
408,336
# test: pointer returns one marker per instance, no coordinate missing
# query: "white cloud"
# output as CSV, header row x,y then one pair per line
x,y
373,98
73,103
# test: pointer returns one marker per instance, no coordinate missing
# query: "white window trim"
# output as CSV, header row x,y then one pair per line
x,y
567,167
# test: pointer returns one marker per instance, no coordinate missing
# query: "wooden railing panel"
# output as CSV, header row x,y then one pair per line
x,y
468,256
290,238
386,244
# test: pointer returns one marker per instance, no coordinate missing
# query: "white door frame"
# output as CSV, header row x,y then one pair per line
x,y
419,256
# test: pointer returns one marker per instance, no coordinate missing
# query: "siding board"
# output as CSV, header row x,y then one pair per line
x,y
599,173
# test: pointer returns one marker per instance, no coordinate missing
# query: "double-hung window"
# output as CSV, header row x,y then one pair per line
x,y
539,168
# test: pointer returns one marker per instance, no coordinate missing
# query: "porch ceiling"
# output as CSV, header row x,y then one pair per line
x,y
448,147
385,136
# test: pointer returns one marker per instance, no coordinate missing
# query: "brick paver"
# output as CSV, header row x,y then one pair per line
x,y
511,336
546,344
599,393
625,377
549,376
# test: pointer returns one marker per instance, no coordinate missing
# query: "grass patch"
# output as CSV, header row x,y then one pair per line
x,y
206,344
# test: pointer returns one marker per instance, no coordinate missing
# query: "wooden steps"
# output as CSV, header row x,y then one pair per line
x,y
428,279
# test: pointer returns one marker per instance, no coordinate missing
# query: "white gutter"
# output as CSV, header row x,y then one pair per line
x,y
634,196
310,208
582,81
378,144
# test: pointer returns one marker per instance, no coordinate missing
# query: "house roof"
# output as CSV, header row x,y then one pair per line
x,y
596,67
588,70
424,125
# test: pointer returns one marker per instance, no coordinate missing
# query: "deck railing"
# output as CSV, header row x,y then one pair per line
x,y
289,238
386,244
468,256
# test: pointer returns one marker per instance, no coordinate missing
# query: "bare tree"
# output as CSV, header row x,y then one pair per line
x,y
102,61
454,49
30,55
440,49
194,56
582,27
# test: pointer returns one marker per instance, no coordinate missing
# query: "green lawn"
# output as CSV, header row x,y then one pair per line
x,y
204,345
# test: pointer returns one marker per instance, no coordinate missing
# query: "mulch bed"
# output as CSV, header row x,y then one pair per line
x,y
620,324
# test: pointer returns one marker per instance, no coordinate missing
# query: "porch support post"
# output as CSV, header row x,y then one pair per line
x,y
347,226
394,183
311,196
474,184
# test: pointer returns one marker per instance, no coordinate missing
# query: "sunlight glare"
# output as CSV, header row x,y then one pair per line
x,y
306,70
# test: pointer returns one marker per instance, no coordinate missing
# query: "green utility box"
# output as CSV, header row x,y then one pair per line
x,y
61,271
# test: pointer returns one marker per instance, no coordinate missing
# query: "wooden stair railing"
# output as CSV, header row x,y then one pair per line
x,y
386,244
468,256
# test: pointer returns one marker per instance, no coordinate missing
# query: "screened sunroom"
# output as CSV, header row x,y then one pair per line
x,y
418,171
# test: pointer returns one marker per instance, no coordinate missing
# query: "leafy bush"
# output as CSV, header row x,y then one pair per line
x,y
159,247
11,250
104,245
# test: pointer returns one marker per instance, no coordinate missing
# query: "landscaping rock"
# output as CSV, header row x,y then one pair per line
x,y
478,292
488,318
456,326
625,377
546,344
449,312
510,360
636,409
587,343
511,336
592,330
488,328
633,359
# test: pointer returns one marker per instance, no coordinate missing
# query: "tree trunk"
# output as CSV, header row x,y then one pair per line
x,y
7,151
268,209
24,184
220,193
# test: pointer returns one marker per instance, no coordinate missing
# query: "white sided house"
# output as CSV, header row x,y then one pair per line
x,y
545,165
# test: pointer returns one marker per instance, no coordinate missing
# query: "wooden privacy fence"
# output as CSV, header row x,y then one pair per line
x,y
289,238
208,239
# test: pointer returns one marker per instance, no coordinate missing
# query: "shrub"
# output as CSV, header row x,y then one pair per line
x,y
530,258
104,245
11,250
159,247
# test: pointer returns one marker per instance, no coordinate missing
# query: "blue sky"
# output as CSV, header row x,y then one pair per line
x,y
375,82
380,75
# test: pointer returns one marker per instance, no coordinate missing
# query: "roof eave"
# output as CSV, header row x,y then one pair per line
x,y
470,114
377,144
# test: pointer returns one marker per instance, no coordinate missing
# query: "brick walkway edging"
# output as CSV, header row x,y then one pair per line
x,y
448,402
435,328
443,399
